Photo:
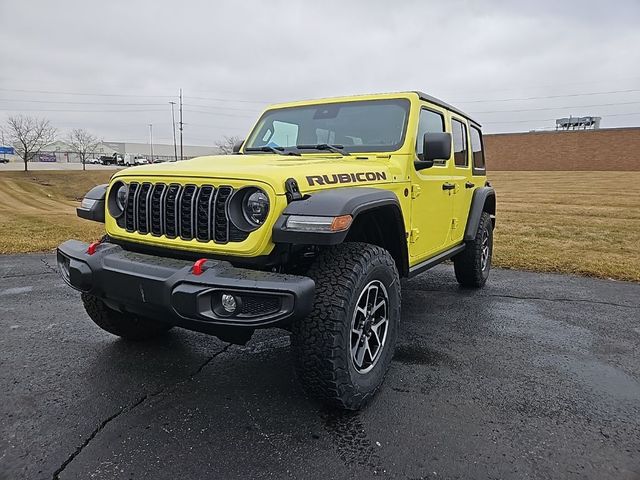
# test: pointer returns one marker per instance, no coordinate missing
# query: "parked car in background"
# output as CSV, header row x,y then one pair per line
x,y
92,161
131,160
109,160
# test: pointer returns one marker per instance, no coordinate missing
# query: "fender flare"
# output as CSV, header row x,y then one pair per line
x,y
332,203
481,196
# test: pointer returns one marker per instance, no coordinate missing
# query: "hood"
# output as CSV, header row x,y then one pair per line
x,y
312,172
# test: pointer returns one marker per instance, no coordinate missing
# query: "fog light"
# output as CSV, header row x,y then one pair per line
x,y
228,302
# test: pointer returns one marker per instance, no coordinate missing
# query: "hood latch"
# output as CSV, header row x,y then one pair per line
x,y
292,191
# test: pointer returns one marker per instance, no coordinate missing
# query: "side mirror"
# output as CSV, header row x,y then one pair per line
x,y
237,147
435,146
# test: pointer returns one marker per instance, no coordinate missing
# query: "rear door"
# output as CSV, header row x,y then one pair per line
x,y
461,177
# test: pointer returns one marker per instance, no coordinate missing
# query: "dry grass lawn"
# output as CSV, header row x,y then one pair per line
x,y
586,223
38,209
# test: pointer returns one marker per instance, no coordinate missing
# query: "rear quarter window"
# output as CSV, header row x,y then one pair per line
x,y
460,149
477,149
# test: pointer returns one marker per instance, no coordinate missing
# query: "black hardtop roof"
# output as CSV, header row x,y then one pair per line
x,y
437,101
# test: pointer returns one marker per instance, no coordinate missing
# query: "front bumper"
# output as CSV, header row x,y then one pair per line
x,y
167,289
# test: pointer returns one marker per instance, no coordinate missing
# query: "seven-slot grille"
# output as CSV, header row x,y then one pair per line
x,y
180,211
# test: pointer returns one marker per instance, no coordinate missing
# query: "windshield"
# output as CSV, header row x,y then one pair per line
x,y
358,126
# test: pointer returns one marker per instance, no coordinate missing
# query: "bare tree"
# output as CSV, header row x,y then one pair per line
x,y
82,143
29,135
226,144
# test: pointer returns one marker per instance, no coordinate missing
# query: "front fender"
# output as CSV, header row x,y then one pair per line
x,y
330,203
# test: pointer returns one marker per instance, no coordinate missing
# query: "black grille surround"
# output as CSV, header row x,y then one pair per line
x,y
180,211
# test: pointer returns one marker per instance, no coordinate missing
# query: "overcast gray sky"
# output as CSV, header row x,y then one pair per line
x,y
112,67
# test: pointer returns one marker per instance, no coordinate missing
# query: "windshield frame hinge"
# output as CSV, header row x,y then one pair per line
x,y
292,191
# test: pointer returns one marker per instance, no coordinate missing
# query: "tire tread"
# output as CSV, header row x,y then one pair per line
x,y
318,341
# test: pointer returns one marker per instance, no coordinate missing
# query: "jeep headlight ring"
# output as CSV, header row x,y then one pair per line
x,y
117,200
255,207
249,208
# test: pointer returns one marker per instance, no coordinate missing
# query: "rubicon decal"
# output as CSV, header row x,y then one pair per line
x,y
345,178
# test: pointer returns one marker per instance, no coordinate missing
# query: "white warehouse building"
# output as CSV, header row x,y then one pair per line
x,y
60,152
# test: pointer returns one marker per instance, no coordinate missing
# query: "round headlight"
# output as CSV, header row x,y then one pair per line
x,y
255,207
117,200
121,196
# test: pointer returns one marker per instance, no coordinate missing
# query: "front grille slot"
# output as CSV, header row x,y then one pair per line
x,y
143,208
184,211
221,222
130,208
157,210
170,208
203,213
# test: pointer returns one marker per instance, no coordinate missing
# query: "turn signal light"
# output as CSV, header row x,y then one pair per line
x,y
341,223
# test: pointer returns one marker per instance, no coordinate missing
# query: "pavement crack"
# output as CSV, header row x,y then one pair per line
x,y
132,406
562,300
103,424
523,297
204,364
49,267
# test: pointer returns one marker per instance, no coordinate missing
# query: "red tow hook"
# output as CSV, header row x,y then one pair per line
x,y
198,266
93,246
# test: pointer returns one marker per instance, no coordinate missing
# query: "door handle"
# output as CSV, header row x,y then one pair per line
x,y
448,186
469,185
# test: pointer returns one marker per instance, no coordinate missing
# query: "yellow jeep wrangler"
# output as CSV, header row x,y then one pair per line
x,y
308,227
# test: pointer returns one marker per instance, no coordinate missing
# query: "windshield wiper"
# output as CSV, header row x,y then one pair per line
x,y
325,146
269,148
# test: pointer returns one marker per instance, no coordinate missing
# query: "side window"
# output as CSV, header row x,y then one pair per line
x,y
459,133
431,122
476,149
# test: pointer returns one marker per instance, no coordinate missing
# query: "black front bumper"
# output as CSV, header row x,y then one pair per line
x,y
166,289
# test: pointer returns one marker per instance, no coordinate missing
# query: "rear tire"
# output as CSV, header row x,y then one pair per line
x,y
125,325
473,264
343,349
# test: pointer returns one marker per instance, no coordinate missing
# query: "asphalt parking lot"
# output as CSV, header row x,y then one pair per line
x,y
536,376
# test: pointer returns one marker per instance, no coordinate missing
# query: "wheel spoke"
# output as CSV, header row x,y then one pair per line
x,y
354,351
369,326
374,330
380,322
369,300
360,352
359,333
377,307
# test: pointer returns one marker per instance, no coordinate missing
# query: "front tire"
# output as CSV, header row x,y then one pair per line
x,y
473,264
125,325
343,349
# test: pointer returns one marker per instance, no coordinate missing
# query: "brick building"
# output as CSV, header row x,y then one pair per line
x,y
602,149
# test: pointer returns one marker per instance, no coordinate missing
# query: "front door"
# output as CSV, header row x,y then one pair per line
x,y
432,198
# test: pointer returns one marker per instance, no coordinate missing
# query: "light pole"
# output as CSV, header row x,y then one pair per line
x,y
173,123
151,141
181,150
